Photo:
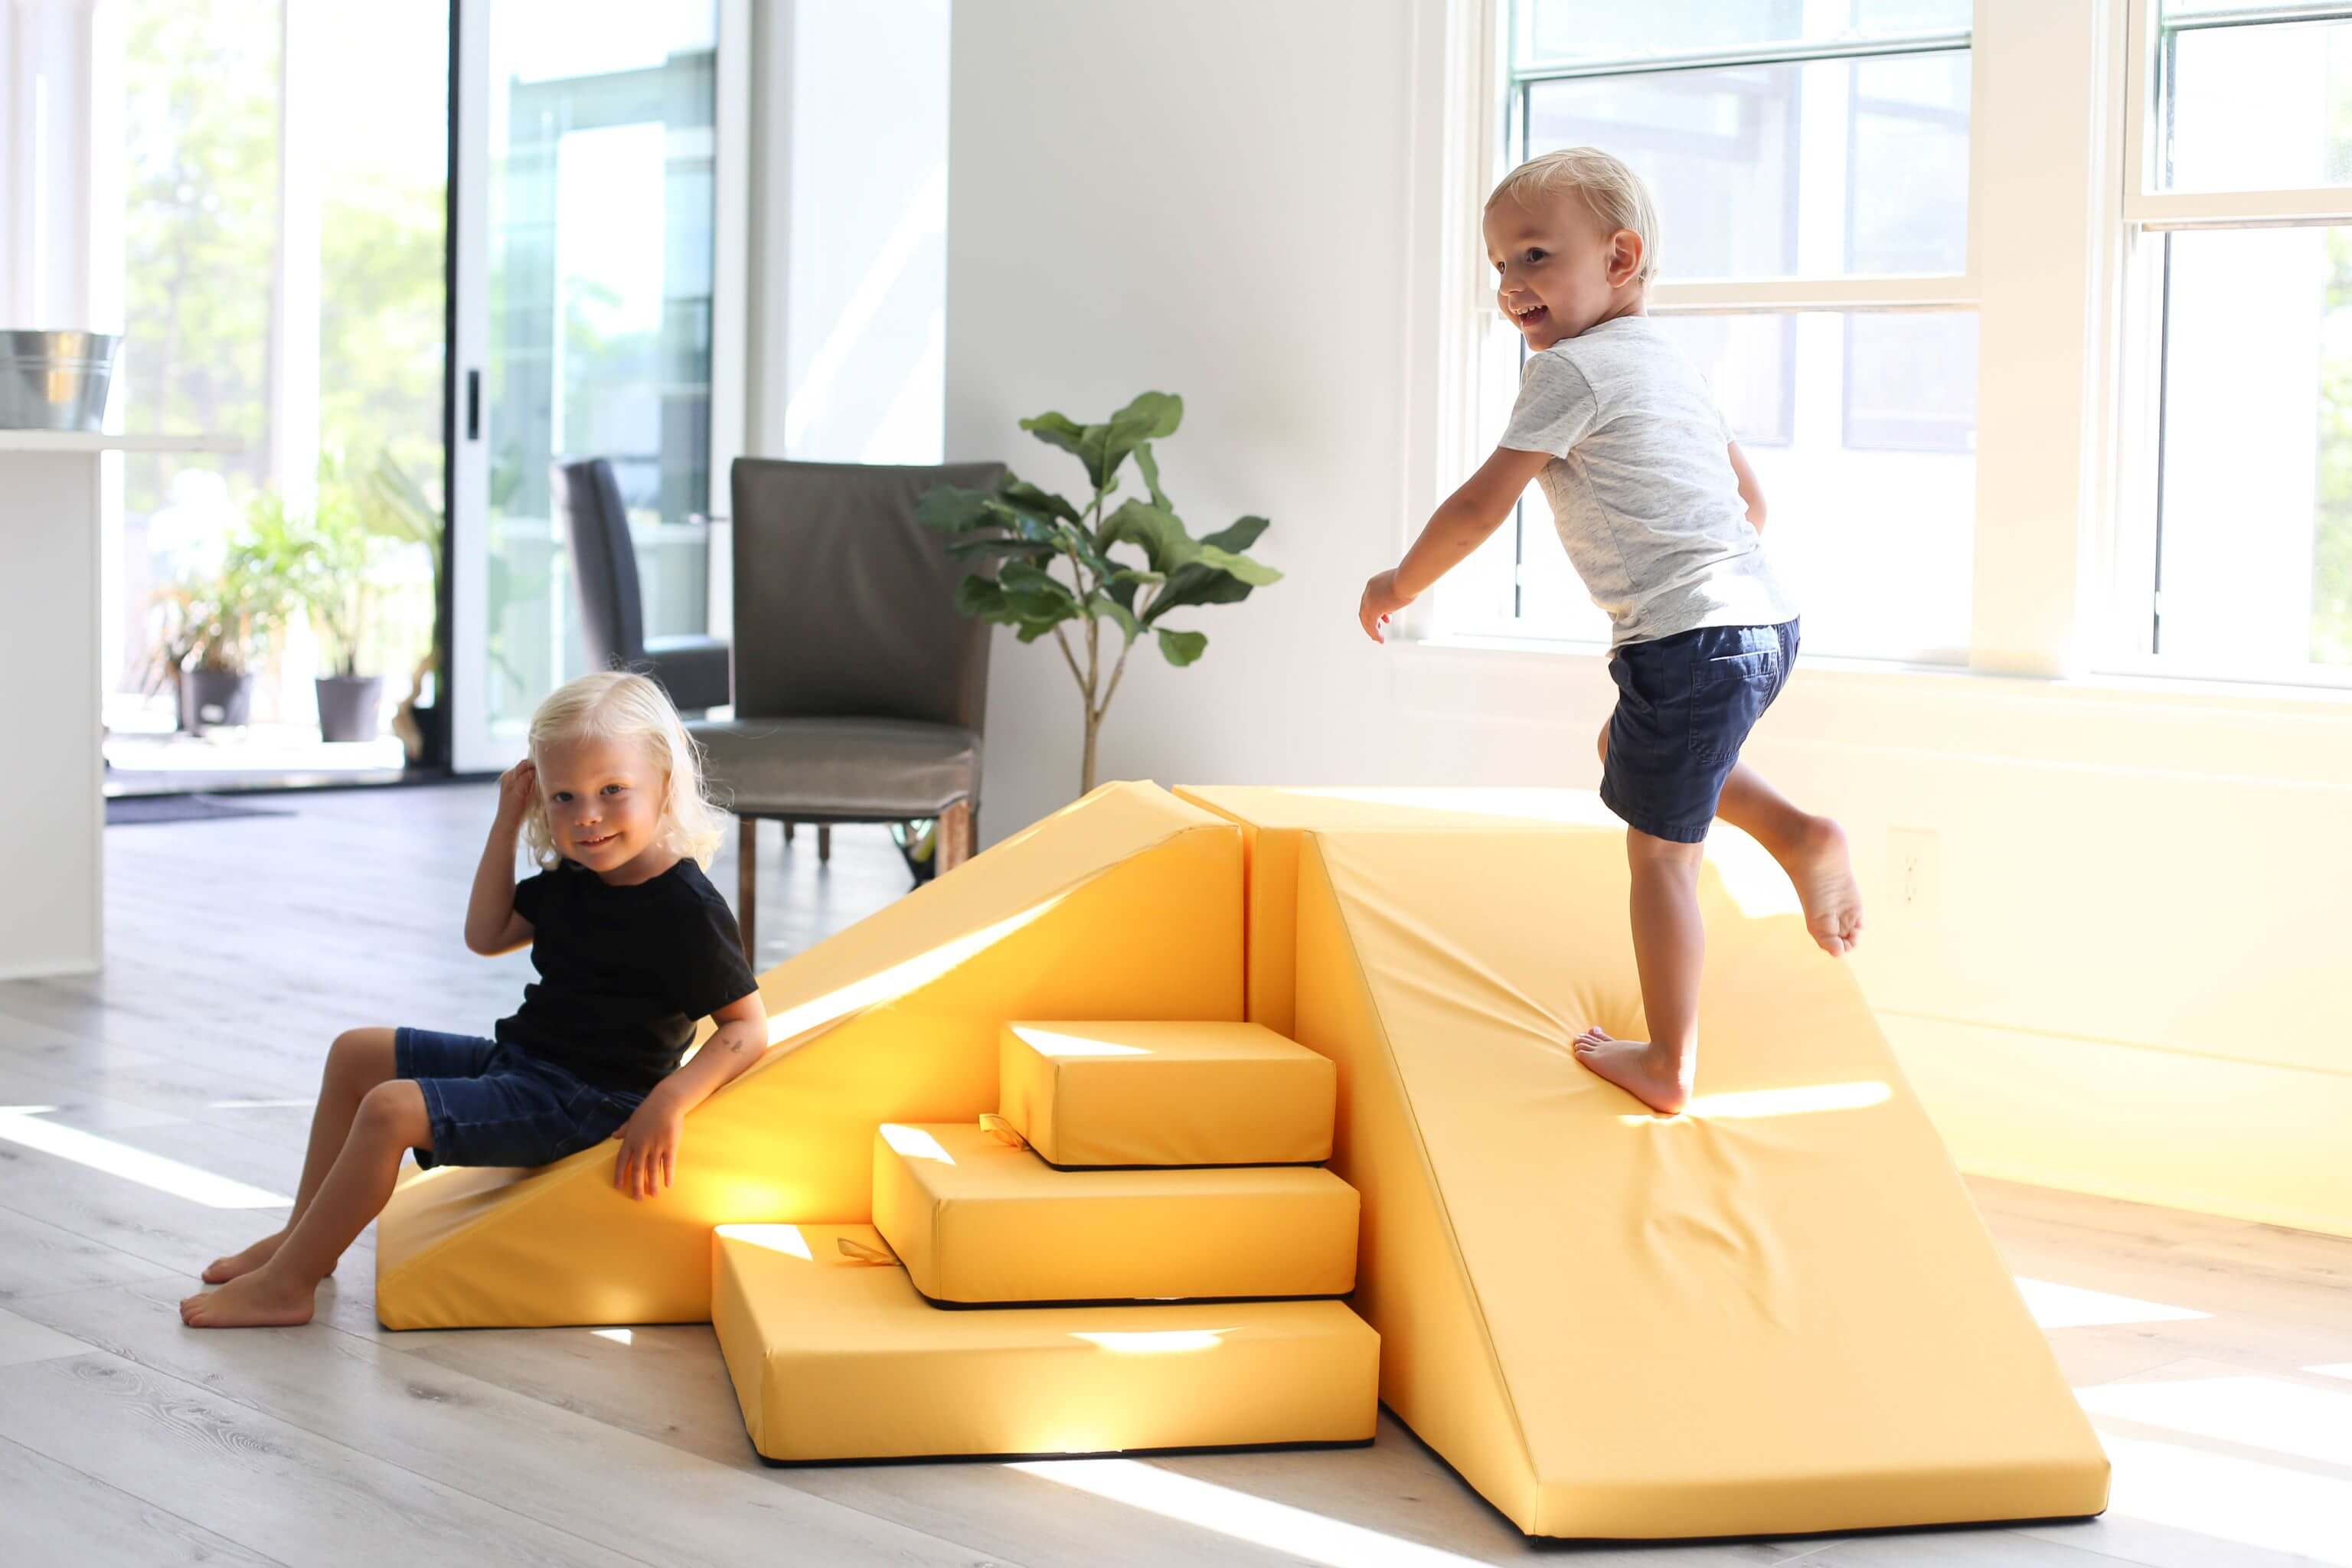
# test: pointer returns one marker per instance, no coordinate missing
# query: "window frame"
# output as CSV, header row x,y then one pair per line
x,y
2127,640
1502,95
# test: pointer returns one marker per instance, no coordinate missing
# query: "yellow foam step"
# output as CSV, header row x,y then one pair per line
x,y
1112,1094
979,1220
836,1359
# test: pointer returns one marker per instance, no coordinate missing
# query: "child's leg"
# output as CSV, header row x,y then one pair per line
x,y
358,1062
1810,850
1670,953
389,1122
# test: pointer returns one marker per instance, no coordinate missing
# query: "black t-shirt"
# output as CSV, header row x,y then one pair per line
x,y
624,973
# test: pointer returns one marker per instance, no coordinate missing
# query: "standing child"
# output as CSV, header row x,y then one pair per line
x,y
1663,520
632,945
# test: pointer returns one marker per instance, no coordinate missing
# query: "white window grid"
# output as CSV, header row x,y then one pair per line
x,y
2131,641
1507,113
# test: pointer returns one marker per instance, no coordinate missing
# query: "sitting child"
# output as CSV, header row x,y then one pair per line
x,y
1663,520
632,945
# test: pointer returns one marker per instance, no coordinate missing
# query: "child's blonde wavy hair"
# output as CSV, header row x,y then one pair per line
x,y
1610,188
615,705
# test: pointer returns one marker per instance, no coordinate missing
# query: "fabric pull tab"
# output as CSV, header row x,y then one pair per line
x,y
857,1251
1001,1130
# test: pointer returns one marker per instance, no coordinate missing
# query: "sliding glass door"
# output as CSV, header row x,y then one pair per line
x,y
600,163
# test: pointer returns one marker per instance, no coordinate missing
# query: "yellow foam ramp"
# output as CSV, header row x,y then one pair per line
x,y
835,1359
1126,904
1114,1094
1777,1313
1275,823
978,1220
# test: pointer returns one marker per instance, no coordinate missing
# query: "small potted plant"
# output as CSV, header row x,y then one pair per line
x,y
210,631
1035,532
338,555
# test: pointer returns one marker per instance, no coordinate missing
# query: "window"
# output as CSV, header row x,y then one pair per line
x,y
1810,161
2234,548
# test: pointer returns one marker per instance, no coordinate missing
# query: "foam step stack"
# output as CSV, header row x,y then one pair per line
x,y
1165,1283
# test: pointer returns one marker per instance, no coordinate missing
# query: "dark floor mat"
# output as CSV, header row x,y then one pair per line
x,y
123,810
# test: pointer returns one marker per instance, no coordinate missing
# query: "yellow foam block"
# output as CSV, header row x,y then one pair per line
x,y
976,1220
1276,822
1167,1094
1126,904
834,1359
1778,1312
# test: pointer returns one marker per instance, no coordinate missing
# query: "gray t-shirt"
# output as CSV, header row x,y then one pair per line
x,y
1640,484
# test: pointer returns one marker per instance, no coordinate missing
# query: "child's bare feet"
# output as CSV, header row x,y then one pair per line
x,y
221,1270
259,1300
1638,1067
1823,874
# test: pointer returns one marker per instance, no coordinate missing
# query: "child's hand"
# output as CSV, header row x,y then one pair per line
x,y
518,788
1381,600
649,1141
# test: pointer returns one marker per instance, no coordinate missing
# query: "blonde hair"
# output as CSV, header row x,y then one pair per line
x,y
1614,192
615,705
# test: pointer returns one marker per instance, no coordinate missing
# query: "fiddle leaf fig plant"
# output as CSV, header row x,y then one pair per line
x,y
1058,563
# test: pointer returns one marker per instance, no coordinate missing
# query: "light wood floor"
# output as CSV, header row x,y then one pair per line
x,y
2216,1357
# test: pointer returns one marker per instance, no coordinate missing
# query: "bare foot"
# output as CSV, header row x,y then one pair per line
x,y
1638,1067
221,1270
259,1300
1823,873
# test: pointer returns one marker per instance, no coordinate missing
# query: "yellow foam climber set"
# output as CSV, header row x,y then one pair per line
x,y
1776,1313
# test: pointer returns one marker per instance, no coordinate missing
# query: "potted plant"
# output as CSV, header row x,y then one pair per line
x,y
210,630
1057,561
338,555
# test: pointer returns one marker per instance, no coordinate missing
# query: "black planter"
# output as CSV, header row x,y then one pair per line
x,y
213,699
351,707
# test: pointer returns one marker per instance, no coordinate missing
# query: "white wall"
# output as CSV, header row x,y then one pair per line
x,y
849,214
2123,976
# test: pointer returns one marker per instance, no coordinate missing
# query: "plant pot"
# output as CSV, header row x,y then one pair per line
x,y
351,707
213,699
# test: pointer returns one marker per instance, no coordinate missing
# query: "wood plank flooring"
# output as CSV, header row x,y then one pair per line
x,y
2216,1357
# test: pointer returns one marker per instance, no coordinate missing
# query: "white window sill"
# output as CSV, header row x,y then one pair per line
x,y
2153,686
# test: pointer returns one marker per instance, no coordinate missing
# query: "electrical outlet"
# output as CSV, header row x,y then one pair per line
x,y
1914,874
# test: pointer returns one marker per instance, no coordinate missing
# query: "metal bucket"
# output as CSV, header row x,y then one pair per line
x,y
55,381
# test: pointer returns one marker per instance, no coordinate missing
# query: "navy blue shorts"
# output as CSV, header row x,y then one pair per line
x,y
490,1104
1684,705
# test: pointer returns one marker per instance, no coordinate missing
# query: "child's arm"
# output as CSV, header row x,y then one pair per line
x,y
1750,490
1459,525
492,926
649,1139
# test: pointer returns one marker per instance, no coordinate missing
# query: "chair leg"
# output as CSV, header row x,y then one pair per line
x,y
788,830
955,837
747,887
824,843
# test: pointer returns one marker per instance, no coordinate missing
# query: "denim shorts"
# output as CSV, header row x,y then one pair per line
x,y
492,1104
1684,705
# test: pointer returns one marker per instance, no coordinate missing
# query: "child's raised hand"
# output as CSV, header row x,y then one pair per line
x,y
518,788
649,1141
1381,600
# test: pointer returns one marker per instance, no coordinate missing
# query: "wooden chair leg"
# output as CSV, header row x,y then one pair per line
x,y
824,843
955,837
747,887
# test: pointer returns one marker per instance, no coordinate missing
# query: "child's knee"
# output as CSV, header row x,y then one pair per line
x,y
392,1112
1601,743
1648,851
363,1054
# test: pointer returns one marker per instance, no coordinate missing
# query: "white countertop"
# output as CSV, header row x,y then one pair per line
x,y
101,441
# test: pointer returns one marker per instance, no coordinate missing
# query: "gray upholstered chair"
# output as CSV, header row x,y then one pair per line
x,y
692,670
860,693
